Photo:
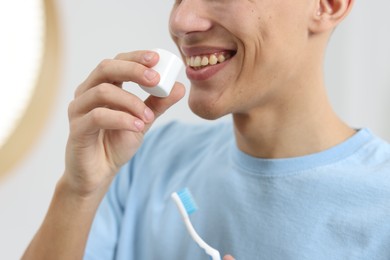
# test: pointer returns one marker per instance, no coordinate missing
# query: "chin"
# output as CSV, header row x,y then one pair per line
x,y
206,109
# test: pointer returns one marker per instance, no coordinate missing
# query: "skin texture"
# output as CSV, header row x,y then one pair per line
x,y
258,30
273,87
268,84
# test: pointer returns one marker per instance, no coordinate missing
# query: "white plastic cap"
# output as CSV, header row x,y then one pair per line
x,y
168,66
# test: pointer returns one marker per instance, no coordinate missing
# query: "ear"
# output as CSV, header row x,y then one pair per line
x,y
327,14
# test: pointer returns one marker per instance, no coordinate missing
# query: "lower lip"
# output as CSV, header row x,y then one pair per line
x,y
206,72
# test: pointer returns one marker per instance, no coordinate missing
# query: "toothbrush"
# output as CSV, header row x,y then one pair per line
x,y
186,205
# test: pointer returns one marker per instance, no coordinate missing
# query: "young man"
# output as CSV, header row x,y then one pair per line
x,y
287,179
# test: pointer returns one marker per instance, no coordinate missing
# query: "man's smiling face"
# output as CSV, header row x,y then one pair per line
x,y
240,54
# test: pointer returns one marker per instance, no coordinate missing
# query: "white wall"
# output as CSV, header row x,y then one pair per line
x,y
358,67
357,74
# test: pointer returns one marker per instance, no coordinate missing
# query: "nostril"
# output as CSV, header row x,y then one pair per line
x,y
187,17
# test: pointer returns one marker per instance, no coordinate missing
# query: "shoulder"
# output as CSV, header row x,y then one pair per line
x,y
375,152
370,164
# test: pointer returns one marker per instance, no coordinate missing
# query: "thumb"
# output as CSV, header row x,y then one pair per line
x,y
160,105
228,257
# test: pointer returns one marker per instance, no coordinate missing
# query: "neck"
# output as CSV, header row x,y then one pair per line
x,y
300,125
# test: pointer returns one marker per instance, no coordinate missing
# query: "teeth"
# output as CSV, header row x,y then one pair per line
x,y
201,61
205,61
213,60
197,61
221,58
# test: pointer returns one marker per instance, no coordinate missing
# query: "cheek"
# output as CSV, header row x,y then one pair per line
x,y
261,72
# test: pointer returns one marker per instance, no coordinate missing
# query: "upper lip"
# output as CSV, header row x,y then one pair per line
x,y
189,51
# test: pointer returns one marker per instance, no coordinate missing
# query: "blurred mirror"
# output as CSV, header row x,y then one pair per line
x,y
28,69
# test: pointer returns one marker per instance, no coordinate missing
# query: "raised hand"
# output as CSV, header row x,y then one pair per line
x,y
107,123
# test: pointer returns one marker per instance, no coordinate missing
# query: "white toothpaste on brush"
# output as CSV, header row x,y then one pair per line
x,y
168,66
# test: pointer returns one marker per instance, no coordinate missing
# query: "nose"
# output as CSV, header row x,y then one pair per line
x,y
187,17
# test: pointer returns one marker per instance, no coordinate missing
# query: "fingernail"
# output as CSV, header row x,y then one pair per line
x,y
149,115
139,124
148,56
150,74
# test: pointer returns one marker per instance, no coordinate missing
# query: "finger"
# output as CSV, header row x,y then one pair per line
x,y
160,105
105,118
117,71
147,58
108,95
228,257
133,67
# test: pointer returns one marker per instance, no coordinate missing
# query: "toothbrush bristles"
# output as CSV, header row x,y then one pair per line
x,y
187,200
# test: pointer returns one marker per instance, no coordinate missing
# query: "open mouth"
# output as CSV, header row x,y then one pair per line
x,y
201,61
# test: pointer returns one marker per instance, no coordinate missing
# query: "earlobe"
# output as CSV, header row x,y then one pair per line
x,y
328,14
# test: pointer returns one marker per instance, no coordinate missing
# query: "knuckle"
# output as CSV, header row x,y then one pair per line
x,y
71,109
78,91
101,90
96,115
103,65
121,55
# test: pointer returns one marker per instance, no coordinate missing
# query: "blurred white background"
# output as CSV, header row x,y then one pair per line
x,y
357,75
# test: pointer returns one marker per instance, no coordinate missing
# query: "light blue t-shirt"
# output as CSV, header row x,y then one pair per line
x,y
332,205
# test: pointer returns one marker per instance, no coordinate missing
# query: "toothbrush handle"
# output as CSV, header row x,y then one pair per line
x,y
212,252
214,255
